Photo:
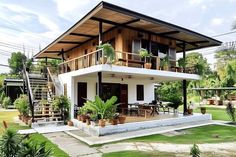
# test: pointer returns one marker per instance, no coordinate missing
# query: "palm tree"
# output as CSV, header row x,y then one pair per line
x,y
10,144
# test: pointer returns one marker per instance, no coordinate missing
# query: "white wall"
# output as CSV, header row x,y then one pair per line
x,y
132,97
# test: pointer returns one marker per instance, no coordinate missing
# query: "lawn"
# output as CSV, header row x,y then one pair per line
x,y
138,154
8,117
204,134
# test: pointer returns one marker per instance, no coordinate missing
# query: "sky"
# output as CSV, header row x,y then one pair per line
x,y
29,26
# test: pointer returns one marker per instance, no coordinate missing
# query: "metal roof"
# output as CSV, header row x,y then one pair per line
x,y
112,16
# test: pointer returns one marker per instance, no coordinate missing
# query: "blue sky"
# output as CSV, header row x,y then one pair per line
x,y
38,22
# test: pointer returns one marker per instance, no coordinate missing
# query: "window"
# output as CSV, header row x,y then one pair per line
x,y
140,93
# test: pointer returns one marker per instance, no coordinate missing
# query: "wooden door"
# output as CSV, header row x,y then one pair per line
x,y
82,93
124,95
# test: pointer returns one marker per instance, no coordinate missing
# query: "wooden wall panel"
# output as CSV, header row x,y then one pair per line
x,y
123,41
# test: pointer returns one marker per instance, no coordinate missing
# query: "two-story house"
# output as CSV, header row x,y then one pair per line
x,y
84,72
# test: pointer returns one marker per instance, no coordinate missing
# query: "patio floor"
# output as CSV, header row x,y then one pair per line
x,y
131,119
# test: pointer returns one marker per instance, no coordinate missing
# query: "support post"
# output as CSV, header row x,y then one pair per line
x,y
99,84
185,109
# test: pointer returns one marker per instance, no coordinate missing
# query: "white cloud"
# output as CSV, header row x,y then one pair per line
x,y
216,21
195,2
72,9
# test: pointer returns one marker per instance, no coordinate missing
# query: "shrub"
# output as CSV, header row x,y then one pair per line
x,y
2,96
22,104
231,112
15,145
195,151
6,102
62,103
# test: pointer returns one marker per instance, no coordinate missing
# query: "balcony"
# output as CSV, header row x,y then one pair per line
x,y
126,59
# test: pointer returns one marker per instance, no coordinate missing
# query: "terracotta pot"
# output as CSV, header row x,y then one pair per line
x,y
190,111
211,102
220,102
102,122
70,123
88,121
121,119
83,118
20,117
203,110
114,121
148,65
79,117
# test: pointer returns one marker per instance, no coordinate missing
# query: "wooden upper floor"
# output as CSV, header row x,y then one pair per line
x,y
127,31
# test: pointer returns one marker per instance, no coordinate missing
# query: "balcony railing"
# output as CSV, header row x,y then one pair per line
x,y
121,59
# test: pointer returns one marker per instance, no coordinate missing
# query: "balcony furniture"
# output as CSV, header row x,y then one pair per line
x,y
133,109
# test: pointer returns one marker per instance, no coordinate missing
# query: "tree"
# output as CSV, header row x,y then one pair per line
x,y
16,62
226,65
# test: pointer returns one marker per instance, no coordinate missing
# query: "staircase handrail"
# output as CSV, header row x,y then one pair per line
x,y
30,94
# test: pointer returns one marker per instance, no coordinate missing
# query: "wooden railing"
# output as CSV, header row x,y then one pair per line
x,y
122,59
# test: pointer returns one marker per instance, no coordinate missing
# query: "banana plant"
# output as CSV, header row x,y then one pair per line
x,y
101,108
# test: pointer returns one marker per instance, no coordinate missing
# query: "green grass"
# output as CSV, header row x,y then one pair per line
x,y
137,154
8,117
204,134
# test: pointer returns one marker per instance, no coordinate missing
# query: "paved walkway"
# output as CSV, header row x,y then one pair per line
x,y
93,140
76,148
72,146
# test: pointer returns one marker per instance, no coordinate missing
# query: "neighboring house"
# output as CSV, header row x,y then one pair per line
x,y
84,72
14,88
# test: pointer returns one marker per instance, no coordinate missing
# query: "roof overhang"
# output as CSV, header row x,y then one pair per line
x,y
114,16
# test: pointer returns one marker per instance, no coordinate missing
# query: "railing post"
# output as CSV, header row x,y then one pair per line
x,y
102,57
127,58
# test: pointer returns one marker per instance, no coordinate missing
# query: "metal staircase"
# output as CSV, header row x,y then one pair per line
x,y
41,92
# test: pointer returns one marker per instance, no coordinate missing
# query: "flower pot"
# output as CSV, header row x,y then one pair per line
x,y
121,119
114,121
20,117
70,123
88,121
148,65
203,110
102,122
83,118
190,111
79,117
220,102
166,67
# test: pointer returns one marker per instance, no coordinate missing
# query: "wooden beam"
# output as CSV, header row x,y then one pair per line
x,y
132,21
82,35
68,42
169,33
140,30
199,42
52,51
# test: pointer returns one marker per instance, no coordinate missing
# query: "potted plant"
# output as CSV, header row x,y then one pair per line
x,y
175,99
190,108
70,123
22,105
93,119
121,119
181,64
203,110
147,58
165,63
108,53
102,109
115,118
62,103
